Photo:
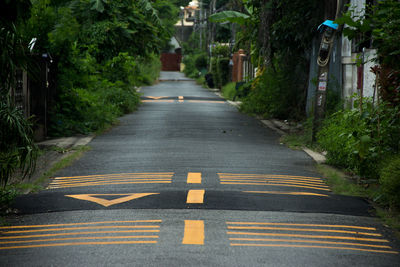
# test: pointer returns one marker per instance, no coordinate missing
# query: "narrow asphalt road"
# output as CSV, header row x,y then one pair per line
x,y
187,180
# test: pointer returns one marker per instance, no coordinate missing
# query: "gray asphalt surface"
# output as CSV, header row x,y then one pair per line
x,y
126,201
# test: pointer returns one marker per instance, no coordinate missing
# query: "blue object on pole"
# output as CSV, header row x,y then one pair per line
x,y
328,23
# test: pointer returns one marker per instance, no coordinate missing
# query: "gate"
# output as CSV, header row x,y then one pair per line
x,y
171,61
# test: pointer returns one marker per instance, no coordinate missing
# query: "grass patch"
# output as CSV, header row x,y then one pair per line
x,y
342,185
8,193
339,182
294,141
390,218
229,91
201,81
65,162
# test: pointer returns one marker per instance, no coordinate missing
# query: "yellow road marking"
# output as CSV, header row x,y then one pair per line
x,y
155,97
194,178
273,178
195,197
84,223
287,193
80,228
66,182
263,175
107,203
304,224
111,179
93,184
79,233
158,101
81,243
300,230
309,241
278,181
309,246
119,174
205,101
277,184
79,238
194,232
310,236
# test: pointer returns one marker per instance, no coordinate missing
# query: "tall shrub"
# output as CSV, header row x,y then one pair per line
x,y
360,140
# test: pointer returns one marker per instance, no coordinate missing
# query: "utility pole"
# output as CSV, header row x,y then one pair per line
x,y
329,31
201,24
211,31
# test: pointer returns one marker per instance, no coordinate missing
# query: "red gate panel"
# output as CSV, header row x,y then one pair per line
x,y
171,62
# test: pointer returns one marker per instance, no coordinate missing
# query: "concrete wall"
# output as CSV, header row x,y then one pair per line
x,y
353,63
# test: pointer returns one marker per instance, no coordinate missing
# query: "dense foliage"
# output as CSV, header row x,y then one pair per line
x,y
103,49
100,50
271,33
17,148
361,139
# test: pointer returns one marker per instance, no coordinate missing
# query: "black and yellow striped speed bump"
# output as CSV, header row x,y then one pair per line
x,y
78,234
273,180
112,179
295,235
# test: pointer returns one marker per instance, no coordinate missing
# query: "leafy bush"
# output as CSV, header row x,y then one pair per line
x,y
17,148
149,69
190,68
274,94
200,61
85,111
358,139
221,51
222,72
195,64
229,91
390,181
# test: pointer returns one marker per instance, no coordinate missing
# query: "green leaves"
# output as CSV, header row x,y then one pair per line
x,y
18,150
97,5
230,16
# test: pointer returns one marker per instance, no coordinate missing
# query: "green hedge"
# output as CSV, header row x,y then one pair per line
x,y
220,71
390,182
223,71
360,140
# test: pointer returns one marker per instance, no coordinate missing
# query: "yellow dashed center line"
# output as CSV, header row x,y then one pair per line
x,y
194,178
194,232
195,197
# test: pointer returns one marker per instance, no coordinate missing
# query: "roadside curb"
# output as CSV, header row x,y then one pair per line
x,y
230,102
283,129
67,142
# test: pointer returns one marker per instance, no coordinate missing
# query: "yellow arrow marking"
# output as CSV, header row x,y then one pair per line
x,y
107,203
